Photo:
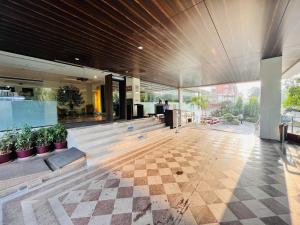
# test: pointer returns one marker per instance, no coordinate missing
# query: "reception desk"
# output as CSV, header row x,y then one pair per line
x,y
14,114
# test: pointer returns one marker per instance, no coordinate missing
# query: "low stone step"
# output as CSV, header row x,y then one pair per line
x,y
103,127
108,133
101,157
99,141
65,158
94,156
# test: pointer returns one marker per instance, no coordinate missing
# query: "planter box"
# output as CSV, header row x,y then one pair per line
x,y
24,153
42,149
293,137
5,157
60,145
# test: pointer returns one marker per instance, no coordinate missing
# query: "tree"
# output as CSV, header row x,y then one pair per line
x,y
251,108
293,99
70,96
200,101
238,107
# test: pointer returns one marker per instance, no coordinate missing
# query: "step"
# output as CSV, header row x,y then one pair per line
x,y
111,132
98,155
103,127
115,138
113,146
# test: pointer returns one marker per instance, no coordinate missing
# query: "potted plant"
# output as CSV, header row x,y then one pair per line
x,y
6,146
43,140
60,136
24,142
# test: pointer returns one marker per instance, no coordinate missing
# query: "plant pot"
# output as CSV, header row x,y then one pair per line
x,y
60,145
24,153
5,157
42,149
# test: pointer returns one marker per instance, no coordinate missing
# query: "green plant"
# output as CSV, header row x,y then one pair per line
x,y
44,137
293,99
228,117
251,108
69,95
59,133
200,101
7,142
24,138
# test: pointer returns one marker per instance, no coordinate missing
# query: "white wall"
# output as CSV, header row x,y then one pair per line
x,y
270,75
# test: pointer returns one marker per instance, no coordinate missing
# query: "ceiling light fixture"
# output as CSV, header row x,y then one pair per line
x,y
95,77
77,59
140,48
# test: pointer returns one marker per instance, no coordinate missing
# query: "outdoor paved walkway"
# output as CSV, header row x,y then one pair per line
x,y
199,177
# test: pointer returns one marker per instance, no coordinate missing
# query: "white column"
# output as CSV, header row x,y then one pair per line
x,y
270,101
180,98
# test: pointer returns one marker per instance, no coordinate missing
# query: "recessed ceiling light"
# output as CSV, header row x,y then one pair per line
x,y
140,48
77,59
95,77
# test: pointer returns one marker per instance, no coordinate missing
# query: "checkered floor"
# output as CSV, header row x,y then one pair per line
x,y
200,177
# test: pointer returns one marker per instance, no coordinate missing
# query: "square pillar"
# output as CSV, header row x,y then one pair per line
x,y
270,101
122,94
109,98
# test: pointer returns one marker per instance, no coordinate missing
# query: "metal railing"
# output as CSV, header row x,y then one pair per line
x,y
294,125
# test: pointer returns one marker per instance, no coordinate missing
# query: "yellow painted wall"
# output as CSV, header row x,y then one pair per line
x,y
97,97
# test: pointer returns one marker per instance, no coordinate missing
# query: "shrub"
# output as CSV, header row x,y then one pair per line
x,y
59,133
44,137
24,138
235,122
228,117
251,119
7,142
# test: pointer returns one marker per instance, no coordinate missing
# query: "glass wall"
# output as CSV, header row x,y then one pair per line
x,y
43,104
152,93
16,113
290,113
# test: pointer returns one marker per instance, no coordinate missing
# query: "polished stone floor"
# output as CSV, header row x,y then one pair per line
x,y
198,177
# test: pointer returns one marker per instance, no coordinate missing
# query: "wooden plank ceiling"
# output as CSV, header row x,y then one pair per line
x,y
185,42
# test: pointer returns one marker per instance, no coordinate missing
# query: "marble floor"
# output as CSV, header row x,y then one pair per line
x,y
198,177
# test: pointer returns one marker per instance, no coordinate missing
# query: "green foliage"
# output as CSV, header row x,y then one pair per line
x,y
7,142
200,101
251,108
43,137
293,99
59,133
231,119
224,107
238,107
24,138
228,117
70,96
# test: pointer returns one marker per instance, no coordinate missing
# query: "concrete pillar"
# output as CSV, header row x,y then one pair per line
x,y
136,90
134,85
109,98
180,98
89,94
270,101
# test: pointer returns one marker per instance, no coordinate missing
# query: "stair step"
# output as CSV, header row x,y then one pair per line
x,y
154,135
103,154
103,127
108,133
117,137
